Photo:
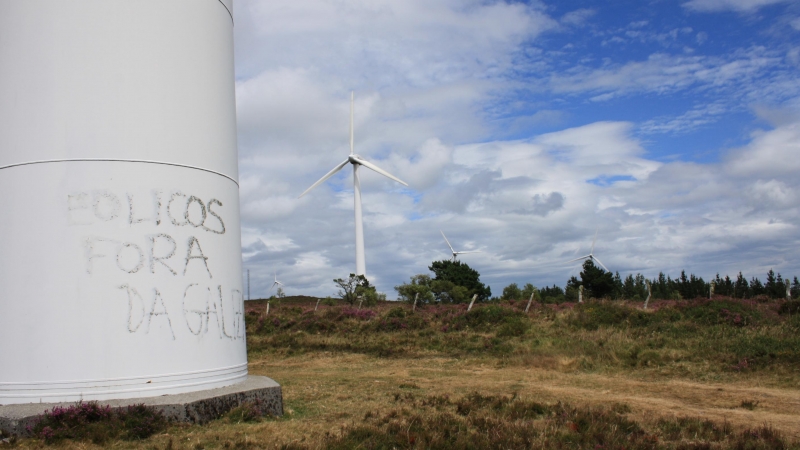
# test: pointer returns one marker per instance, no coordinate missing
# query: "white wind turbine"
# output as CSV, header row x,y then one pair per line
x,y
276,282
591,255
455,253
356,161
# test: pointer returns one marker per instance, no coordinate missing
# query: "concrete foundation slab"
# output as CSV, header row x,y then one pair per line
x,y
195,407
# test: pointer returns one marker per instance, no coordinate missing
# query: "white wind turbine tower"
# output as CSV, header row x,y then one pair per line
x,y
356,161
455,253
591,255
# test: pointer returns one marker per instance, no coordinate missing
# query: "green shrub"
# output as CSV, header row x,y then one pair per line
x,y
513,327
790,308
593,315
488,317
396,312
725,312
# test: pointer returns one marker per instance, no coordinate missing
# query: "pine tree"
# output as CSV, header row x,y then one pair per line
x,y
684,287
641,288
598,282
741,288
629,288
771,284
756,287
728,286
660,286
780,287
618,286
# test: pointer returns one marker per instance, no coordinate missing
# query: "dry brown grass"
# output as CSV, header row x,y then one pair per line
x,y
338,388
325,393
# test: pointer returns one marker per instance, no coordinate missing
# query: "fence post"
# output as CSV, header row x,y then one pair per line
x,y
530,301
415,302
315,308
649,293
580,294
360,301
469,308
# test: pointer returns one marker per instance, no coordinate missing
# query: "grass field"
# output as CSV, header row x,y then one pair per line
x,y
692,374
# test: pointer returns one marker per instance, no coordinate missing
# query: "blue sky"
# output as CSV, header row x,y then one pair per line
x,y
671,128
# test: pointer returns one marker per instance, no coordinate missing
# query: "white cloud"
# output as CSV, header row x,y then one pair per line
x,y
690,120
729,5
426,167
772,193
272,104
578,17
664,73
770,153
402,42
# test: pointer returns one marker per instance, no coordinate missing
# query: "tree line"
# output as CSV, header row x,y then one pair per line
x,y
598,283
456,282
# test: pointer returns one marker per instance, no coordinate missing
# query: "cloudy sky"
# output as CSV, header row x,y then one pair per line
x,y
669,127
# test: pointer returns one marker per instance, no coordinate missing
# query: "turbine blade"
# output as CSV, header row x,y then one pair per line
x,y
578,259
448,243
594,258
379,170
327,175
352,97
471,251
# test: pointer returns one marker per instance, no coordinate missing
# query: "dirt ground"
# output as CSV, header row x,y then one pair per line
x,y
324,392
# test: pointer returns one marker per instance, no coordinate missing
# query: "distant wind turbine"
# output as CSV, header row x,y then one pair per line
x,y
276,282
356,161
591,255
455,253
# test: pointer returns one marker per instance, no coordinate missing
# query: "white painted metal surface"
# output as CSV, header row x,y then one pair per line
x,y
120,254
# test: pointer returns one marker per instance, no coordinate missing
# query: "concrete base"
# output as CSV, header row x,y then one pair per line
x,y
195,407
